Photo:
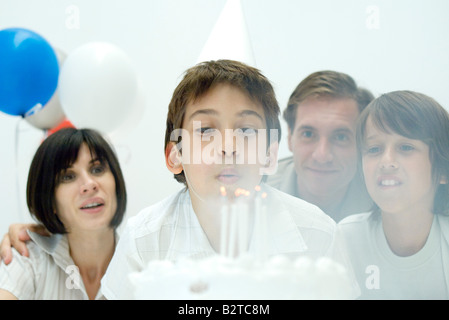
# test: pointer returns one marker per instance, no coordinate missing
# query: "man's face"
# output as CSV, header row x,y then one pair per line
x,y
324,146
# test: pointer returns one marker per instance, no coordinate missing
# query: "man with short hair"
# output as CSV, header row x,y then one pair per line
x,y
321,115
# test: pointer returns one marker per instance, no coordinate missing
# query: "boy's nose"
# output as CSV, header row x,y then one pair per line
x,y
229,151
388,160
229,145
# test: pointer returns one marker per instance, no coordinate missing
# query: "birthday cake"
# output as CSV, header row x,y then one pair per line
x,y
237,274
243,278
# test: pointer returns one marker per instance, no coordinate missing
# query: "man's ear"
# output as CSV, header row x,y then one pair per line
x,y
271,163
289,140
173,158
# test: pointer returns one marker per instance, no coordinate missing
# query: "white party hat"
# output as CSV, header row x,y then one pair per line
x,y
229,38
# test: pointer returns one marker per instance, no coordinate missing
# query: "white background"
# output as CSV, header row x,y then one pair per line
x,y
407,48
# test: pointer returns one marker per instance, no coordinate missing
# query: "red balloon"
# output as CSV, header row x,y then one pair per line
x,y
64,124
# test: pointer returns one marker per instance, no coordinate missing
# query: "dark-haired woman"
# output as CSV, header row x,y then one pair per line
x,y
77,191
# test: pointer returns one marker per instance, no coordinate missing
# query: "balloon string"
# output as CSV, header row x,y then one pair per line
x,y
16,155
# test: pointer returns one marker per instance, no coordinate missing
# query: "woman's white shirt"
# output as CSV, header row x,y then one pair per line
x,y
49,272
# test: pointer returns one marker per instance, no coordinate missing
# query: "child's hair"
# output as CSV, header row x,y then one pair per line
x,y
198,80
414,116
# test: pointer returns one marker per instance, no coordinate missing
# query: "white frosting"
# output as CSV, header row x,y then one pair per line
x,y
243,278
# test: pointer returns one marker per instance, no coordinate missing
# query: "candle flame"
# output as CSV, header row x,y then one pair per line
x,y
223,191
239,191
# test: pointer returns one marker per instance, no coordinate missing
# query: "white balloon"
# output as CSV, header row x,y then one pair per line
x,y
52,113
97,86
135,115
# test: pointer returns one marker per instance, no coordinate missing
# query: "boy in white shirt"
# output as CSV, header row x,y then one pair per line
x,y
221,114
400,250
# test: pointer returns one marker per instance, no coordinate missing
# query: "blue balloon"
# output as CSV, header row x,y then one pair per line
x,y
29,71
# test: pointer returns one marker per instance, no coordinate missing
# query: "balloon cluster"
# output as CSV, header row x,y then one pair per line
x,y
95,86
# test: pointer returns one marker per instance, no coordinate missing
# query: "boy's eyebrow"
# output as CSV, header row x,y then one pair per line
x,y
213,112
250,113
203,111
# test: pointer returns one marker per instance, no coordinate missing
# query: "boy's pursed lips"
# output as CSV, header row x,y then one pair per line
x,y
228,175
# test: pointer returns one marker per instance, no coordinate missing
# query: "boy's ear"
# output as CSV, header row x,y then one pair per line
x,y
173,158
443,180
271,163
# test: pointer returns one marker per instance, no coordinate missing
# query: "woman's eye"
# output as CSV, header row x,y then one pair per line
x,y
98,169
66,177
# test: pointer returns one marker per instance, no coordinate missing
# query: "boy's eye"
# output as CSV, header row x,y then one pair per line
x,y
248,131
205,130
406,147
372,150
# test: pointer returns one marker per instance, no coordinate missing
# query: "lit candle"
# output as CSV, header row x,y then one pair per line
x,y
224,210
257,220
264,227
243,222
232,241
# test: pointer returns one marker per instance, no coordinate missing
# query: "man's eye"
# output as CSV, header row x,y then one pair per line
x,y
307,134
341,137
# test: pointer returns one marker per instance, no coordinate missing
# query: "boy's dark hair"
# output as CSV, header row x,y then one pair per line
x,y
57,153
198,80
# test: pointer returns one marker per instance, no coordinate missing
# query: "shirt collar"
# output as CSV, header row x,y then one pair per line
x,y
283,236
289,182
56,245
